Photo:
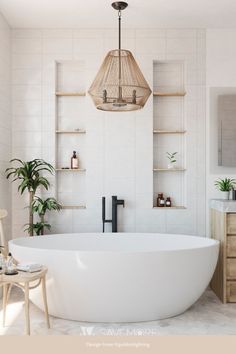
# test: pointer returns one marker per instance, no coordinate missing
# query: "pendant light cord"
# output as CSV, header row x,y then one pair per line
x,y
120,89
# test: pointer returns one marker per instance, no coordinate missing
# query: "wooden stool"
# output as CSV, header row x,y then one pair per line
x,y
23,280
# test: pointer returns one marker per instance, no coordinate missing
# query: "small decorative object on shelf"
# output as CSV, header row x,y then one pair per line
x,y
171,156
162,201
168,202
74,161
225,186
159,197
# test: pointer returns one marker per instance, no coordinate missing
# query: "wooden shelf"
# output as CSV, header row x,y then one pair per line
x,y
156,131
73,206
169,94
70,94
173,207
169,169
70,169
71,131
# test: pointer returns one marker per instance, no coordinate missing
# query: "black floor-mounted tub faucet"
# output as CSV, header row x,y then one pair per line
x,y
113,221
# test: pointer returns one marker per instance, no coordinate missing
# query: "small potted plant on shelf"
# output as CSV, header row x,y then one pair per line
x,y
225,186
171,156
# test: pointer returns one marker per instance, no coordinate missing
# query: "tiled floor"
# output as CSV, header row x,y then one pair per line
x,y
207,316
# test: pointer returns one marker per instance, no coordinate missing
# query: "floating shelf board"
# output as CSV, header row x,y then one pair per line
x,y
169,169
70,169
173,207
73,206
70,93
168,94
71,131
169,131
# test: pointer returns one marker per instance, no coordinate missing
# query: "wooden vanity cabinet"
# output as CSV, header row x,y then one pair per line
x,y
223,229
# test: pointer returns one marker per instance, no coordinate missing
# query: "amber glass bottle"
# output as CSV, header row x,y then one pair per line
x,y
168,202
74,161
159,197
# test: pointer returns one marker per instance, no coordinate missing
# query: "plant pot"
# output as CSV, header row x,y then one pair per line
x,y
171,166
225,195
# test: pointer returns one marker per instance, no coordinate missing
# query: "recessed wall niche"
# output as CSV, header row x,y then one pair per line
x,y
169,132
70,131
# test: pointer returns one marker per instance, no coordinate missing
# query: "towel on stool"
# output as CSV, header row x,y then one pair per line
x,y
29,267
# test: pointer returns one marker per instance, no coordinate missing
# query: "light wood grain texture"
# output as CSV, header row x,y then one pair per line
x,y
231,224
168,94
169,169
23,281
45,301
156,131
71,131
73,206
218,232
168,208
231,246
231,291
27,317
70,94
4,303
70,169
231,268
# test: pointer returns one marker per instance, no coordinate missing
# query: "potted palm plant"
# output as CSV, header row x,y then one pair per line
x,y
225,186
28,175
41,206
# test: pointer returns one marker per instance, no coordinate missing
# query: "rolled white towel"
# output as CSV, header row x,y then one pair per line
x,y
29,267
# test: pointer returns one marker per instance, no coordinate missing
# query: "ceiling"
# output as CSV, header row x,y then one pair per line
x,y
99,13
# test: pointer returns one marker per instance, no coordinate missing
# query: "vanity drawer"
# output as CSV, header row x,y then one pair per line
x,y
231,246
231,268
231,291
231,224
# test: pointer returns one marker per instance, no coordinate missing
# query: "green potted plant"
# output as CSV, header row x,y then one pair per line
x,y
171,156
28,175
41,206
225,185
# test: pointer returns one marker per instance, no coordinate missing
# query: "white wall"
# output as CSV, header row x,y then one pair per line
x,y
220,73
5,119
119,147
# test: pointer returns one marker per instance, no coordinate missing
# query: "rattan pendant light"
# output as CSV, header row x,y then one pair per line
x,y
119,85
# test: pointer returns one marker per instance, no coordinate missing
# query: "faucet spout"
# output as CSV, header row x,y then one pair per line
x,y
115,203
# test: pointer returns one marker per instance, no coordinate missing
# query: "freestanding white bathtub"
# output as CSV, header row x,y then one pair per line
x,y
120,277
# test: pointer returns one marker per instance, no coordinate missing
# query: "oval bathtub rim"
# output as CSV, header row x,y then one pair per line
x,y
213,244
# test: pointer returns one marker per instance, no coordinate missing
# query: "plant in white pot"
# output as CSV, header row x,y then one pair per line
x,y
225,185
171,156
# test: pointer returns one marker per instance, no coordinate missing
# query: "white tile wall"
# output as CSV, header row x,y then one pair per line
x,y
119,147
5,120
220,70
